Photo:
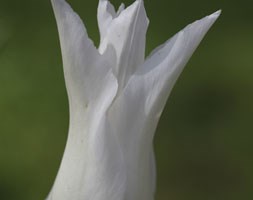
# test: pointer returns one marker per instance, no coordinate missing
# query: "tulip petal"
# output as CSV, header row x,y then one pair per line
x,y
149,88
126,34
106,13
137,109
164,66
92,166
81,60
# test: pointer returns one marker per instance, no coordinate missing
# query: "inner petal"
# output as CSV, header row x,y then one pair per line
x,y
125,37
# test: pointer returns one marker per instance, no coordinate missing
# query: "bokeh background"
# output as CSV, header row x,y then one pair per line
x,y
204,141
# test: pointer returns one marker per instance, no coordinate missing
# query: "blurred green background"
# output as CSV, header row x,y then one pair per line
x,y
204,141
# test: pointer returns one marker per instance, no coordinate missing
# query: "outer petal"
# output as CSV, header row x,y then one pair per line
x,y
126,35
162,68
81,60
136,111
92,165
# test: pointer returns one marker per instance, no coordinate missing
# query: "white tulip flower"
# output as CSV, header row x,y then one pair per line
x,y
116,98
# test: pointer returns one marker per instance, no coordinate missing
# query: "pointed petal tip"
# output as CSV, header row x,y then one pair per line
x,y
215,14
136,8
121,8
138,3
209,19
